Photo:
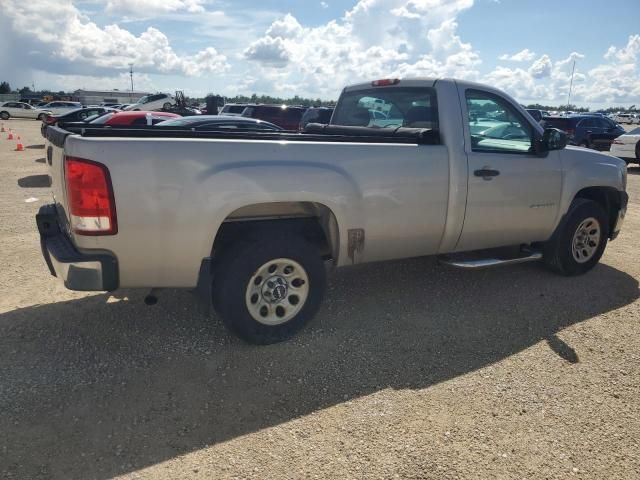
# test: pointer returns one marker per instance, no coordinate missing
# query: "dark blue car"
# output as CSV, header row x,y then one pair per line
x,y
589,131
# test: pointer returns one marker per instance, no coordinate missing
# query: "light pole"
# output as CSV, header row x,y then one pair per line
x,y
131,76
571,84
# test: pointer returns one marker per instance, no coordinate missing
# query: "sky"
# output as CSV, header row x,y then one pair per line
x,y
314,48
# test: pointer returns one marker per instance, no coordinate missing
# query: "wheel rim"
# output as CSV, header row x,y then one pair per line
x,y
277,291
586,240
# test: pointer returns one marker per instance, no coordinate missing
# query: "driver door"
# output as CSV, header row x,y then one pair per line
x,y
513,195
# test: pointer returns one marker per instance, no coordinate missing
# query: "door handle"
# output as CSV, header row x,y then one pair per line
x,y
486,173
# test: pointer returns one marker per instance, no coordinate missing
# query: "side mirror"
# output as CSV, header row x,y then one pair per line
x,y
552,139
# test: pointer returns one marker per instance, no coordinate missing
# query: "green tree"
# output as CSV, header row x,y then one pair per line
x,y
5,87
24,91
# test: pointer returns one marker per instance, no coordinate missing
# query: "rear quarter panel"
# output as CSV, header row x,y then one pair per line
x,y
172,195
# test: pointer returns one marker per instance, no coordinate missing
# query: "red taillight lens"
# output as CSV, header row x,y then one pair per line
x,y
92,207
385,82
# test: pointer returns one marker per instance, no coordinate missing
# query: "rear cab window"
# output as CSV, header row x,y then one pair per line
x,y
391,107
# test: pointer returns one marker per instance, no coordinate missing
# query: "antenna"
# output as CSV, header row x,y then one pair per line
x,y
571,84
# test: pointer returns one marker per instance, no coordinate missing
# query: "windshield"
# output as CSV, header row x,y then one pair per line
x,y
144,99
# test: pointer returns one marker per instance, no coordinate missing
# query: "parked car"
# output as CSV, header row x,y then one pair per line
x,y
118,119
233,109
158,101
281,115
315,115
628,118
220,122
80,115
60,107
22,110
587,130
627,146
250,222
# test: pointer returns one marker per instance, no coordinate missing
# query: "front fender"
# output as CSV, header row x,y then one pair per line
x,y
584,168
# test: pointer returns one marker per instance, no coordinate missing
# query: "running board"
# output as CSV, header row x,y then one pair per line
x,y
490,262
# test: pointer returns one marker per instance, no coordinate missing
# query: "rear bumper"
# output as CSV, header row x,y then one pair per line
x,y
79,271
624,200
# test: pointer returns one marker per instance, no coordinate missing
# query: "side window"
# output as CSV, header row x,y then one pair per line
x,y
588,123
495,126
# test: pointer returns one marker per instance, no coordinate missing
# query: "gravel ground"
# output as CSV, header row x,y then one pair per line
x,y
411,370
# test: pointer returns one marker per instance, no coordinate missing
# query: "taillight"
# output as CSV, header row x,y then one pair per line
x,y
92,208
618,142
385,82
570,132
51,120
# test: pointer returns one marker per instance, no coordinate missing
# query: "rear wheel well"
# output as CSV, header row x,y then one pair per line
x,y
607,197
313,221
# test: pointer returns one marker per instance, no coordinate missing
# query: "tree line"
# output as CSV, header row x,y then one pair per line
x,y
318,102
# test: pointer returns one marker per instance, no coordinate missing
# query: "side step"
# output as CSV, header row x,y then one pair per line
x,y
475,263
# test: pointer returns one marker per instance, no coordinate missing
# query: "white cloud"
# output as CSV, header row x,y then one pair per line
x,y
149,8
257,51
547,81
60,33
525,55
541,68
375,38
324,4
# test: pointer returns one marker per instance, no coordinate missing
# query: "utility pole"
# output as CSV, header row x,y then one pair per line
x,y
571,84
131,76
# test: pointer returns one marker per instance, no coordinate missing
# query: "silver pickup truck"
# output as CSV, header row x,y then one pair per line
x,y
250,220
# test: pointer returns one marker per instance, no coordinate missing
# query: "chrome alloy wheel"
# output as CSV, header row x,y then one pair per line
x,y
586,240
277,291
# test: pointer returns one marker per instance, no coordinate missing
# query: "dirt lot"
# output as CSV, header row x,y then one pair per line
x,y
411,370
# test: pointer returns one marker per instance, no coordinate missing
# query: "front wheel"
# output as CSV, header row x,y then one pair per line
x,y
580,240
268,287
5,115
42,117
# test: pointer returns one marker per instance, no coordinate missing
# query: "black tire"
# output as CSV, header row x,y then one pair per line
x,y
558,251
638,152
237,268
166,106
42,116
5,115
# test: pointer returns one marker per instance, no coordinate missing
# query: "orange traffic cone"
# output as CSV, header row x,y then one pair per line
x,y
10,137
19,146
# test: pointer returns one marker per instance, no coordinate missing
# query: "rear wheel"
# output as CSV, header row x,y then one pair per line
x,y
268,287
42,116
166,106
5,115
580,240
